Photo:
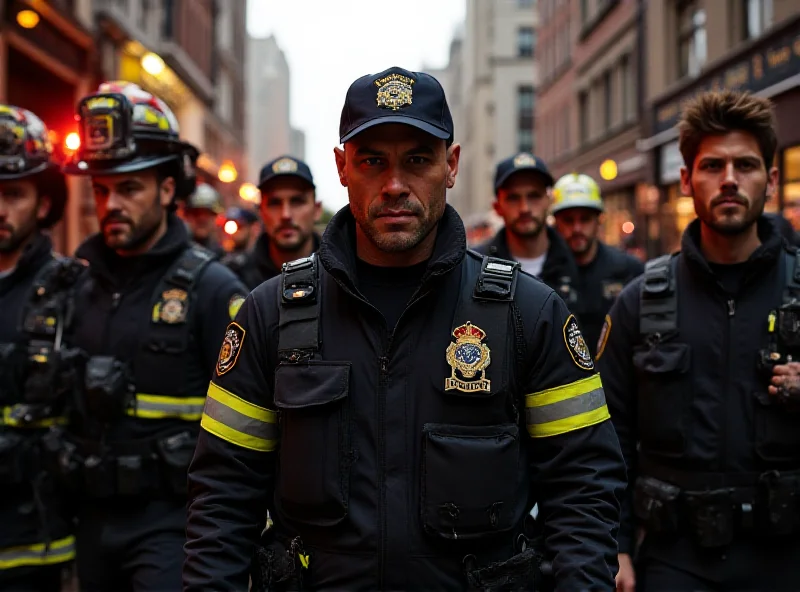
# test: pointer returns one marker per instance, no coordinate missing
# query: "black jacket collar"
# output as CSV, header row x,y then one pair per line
x,y
338,248
558,263
34,255
263,261
761,260
105,262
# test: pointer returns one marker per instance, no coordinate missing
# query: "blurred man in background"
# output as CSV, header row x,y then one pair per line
x,y
602,269
201,212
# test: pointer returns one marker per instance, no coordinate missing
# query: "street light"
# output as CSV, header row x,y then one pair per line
x,y
231,227
152,64
72,141
249,192
27,19
608,170
227,172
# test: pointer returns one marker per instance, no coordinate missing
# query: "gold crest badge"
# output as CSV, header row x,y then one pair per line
x,y
576,345
284,165
612,289
523,160
172,308
470,358
394,91
231,346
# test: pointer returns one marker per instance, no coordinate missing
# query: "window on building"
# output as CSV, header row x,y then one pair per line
x,y
525,105
608,100
584,10
628,89
758,17
525,143
526,41
525,3
565,128
692,49
583,116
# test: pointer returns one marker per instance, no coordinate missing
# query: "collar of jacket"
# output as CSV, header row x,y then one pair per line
x,y
262,259
558,262
337,251
772,242
106,262
35,254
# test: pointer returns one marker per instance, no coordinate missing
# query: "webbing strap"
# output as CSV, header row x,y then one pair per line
x,y
658,313
298,324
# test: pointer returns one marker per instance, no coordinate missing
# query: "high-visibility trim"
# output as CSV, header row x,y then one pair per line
x,y
162,407
238,421
10,416
39,554
566,408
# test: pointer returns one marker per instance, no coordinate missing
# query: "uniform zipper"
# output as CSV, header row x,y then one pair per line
x,y
383,376
731,304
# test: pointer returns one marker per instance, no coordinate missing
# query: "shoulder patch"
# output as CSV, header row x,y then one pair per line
x,y
576,345
234,304
601,342
231,346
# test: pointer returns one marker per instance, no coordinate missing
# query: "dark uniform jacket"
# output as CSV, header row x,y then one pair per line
x,y
600,283
559,271
694,402
114,317
23,522
256,266
375,457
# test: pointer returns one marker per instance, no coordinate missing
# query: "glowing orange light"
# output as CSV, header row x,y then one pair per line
x,y
27,19
231,227
627,227
72,141
227,172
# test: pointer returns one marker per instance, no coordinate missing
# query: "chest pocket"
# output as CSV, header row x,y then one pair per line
x,y
663,365
161,366
665,395
482,434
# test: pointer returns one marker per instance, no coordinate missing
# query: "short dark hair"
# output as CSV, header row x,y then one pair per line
x,y
716,113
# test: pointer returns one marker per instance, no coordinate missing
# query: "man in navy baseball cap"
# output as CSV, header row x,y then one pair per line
x,y
397,162
289,211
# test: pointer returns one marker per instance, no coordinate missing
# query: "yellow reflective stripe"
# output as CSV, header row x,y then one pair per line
x,y
566,408
161,407
238,421
39,554
10,417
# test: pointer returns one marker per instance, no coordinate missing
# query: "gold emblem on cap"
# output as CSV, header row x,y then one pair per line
x,y
284,165
524,159
394,91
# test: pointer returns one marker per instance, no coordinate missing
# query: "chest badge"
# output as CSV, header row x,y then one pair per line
x,y
612,289
172,308
470,358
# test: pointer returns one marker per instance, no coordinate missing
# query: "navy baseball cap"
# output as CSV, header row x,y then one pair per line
x,y
241,215
396,96
285,166
521,162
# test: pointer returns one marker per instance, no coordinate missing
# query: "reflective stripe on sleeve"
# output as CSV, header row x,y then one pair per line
x,y
162,407
566,408
239,422
39,554
14,416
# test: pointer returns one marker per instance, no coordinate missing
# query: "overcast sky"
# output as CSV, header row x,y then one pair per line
x,y
330,43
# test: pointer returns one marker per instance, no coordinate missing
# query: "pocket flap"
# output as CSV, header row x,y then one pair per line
x,y
664,358
311,383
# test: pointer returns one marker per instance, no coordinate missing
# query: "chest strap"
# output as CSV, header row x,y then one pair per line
x,y
299,304
658,308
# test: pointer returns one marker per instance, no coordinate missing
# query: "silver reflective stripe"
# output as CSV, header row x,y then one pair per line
x,y
37,555
240,422
571,407
169,408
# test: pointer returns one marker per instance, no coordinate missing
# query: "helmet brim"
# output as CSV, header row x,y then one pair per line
x,y
98,167
574,204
